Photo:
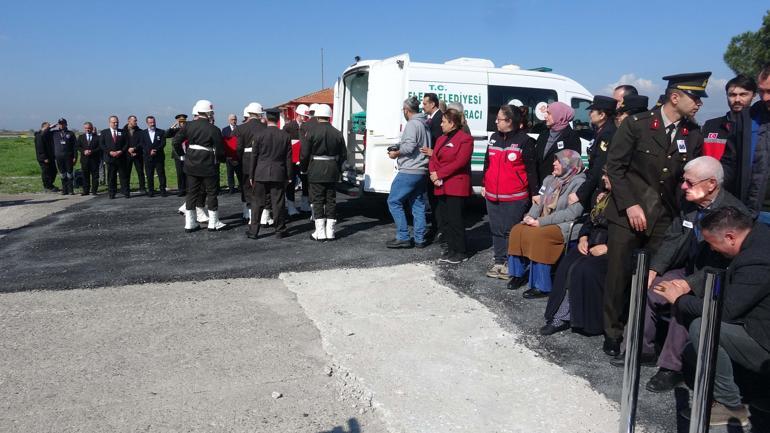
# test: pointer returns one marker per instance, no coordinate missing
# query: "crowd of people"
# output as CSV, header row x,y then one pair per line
x,y
693,196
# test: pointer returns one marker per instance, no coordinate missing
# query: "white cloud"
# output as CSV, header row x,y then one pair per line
x,y
716,86
643,85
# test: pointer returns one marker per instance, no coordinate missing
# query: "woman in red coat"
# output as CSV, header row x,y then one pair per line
x,y
450,172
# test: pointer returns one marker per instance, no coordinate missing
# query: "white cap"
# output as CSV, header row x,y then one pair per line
x,y
302,110
202,106
254,108
312,109
323,110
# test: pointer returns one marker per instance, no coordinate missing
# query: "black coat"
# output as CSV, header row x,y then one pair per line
x,y
435,127
228,130
729,130
158,144
198,162
246,134
325,141
271,156
543,161
134,141
292,128
44,146
746,288
597,158
64,143
645,166
108,145
93,146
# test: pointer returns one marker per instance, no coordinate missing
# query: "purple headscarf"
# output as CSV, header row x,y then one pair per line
x,y
562,115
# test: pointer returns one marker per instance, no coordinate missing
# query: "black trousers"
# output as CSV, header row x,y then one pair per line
x,y
89,165
115,168
181,177
291,187
617,291
153,164
450,217
277,195
323,199
47,173
234,172
197,187
433,202
138,162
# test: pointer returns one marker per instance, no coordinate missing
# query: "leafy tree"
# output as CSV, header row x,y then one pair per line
x,y
748,51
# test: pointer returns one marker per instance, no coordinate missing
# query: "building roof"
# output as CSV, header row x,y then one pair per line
x,y
324,96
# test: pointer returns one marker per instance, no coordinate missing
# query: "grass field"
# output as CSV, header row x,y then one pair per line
x,y
20,172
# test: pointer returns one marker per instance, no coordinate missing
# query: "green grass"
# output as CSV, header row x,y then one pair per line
x,y
20,172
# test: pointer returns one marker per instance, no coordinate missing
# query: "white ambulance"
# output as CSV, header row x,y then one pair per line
x,y
368,99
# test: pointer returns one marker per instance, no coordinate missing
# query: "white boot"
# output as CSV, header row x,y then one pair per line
x,y
190,225
305,206
265,219
246,212
214,223
292,208
330,228
320,230
182,209
201,215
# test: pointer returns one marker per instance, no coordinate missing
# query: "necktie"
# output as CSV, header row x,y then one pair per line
x,y
670,130
114,136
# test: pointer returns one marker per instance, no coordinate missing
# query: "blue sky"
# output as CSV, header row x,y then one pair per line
x,y
86,60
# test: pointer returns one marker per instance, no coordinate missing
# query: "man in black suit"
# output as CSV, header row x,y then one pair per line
x,y
744,335
135,155
115,149
90,158
231,158
152,141
431,108
269,172
45,157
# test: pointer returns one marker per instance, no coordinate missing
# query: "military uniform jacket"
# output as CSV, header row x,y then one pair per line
x,y
645,166
246,134
93,146
204,148
271,156
322,153
64,143
597,157
109,145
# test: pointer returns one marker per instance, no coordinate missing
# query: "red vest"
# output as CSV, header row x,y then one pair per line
x,y
505,178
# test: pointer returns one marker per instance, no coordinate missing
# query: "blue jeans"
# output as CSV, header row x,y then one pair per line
x,y
408,189
539,273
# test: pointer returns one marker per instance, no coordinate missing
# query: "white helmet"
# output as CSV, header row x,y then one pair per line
x,y
302,110
254,108
245,113
323,110
312,109
203,106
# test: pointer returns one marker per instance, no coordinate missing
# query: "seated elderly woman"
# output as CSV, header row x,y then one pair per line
x,y
578,286
542,234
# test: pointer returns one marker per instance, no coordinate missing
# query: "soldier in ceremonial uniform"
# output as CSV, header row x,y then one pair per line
x,y
296,132
201,165
644,163
245,134
64,144
602,115
269,172
321,157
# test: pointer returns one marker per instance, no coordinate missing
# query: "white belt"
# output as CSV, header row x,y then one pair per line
x,y
248,149
199,147
325,158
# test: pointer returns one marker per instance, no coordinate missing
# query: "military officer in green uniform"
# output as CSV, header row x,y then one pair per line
x,y
645,164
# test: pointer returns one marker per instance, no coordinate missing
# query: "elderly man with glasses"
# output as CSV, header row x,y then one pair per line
x,y
682,253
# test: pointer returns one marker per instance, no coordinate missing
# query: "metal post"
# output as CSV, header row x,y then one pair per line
x,y
708,344
634,331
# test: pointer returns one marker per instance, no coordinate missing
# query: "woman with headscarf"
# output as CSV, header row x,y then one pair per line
x,y
559,136
577,297
540,238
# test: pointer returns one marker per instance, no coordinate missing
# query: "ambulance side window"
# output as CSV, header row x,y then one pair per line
x,y
526,96
582,120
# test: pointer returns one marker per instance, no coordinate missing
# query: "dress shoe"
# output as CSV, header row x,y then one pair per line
x,y
84,193
534,293
611,346
112,196
421,245
554,327
152,194
516,282
454,259
181,193
647,360
232,190
395,243
664,380
163,193
142,191
251,235
280,234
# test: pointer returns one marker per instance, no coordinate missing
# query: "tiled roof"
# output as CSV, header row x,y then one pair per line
x,y
324,96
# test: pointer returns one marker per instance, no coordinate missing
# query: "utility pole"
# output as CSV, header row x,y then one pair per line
x,y
322,68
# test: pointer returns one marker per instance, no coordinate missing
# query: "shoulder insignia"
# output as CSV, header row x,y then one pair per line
x,y
603,146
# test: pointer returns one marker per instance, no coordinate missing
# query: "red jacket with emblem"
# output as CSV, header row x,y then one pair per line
x,y
505,166
451,160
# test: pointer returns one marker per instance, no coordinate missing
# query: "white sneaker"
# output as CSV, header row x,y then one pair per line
x,y
320,230
330,224
214,223
200,215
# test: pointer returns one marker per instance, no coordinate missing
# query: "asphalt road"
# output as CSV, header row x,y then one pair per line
x,y
104,242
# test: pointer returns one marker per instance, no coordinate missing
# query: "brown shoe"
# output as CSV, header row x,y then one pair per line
x,y
723,415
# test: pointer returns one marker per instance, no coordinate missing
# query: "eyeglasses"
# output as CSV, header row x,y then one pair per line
x,y
691,184
502,119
